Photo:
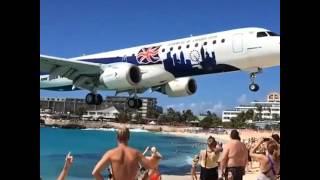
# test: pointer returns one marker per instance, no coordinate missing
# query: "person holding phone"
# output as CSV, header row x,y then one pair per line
x,y
66,167
270,161
208,161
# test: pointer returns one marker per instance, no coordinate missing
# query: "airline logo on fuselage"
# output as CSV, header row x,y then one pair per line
x,y
148,55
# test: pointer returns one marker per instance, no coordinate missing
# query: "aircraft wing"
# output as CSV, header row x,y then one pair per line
x,y
83,74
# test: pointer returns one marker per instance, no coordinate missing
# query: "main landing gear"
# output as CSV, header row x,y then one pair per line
x,y
134,102
253,86
95,99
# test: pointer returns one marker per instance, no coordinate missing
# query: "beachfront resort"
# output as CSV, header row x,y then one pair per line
x,y
166,130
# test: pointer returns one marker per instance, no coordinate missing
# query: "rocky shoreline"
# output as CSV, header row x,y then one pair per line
x,y
83,124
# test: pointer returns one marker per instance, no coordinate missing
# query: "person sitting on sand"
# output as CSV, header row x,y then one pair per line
x,y
270,161
124,160
208,161
154,173
234,157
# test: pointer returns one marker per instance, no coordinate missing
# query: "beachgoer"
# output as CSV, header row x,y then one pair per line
x,y
249,165
154,173
269,162
109,174
124,160
66,167
276,137
193,169
208,161
234,157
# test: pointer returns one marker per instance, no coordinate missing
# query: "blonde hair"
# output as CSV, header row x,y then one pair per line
x,y
123,134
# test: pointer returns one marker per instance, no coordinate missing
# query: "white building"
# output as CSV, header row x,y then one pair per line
x,y
107,114
120,102
270,108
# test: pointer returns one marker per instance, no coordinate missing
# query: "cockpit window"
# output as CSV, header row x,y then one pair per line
x,y
272,33
261,34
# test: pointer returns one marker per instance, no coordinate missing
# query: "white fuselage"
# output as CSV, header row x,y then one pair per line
x,y
160,63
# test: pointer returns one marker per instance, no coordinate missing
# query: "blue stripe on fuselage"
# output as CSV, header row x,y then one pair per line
x,y
175,63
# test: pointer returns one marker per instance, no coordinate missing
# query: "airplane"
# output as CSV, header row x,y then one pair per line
x,y
166,67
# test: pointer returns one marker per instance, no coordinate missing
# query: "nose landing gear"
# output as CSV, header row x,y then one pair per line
x,y
253,86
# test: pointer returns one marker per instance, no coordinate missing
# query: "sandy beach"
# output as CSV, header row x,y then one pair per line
x,y
244,134
182,132
249,175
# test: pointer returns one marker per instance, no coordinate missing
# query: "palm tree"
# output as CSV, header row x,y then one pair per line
x,y
249,114
259,109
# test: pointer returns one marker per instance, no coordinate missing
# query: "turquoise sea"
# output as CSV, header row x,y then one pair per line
x,y
87,146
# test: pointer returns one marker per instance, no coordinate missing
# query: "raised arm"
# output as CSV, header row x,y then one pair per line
x,y
145,151
253,151
100,166
146,163
66,167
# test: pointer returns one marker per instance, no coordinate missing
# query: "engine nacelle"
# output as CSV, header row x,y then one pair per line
x,y
120,76
180,87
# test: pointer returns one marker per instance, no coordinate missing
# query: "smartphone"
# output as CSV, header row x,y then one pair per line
x,y
266,139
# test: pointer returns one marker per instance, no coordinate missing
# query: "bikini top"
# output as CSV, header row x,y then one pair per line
x,y
271,163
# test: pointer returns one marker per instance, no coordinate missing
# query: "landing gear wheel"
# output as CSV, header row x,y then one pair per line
x,y
134,103
98,99
139,103
95,99
90,98
253,87
131,102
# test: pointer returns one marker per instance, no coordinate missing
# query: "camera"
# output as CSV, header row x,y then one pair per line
x,y
266,139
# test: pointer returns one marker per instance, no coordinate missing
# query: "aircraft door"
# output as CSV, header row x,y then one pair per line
x,y
237,43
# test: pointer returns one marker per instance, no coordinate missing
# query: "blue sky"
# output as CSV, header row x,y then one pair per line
x,y
73,28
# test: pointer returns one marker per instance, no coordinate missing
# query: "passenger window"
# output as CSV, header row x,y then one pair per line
x,y
133,55
179,47
171,48
163,50
196,45
205,43
223,40
188,46
214,42
261,34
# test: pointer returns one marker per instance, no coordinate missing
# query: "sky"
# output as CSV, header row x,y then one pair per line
x,y
73,28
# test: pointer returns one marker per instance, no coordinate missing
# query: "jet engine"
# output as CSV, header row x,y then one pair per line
x,y
180,87
120,76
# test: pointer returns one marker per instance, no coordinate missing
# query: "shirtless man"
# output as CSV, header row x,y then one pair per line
x,y
124,159
234,157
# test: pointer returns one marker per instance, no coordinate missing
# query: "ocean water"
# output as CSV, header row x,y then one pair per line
x,y
87,146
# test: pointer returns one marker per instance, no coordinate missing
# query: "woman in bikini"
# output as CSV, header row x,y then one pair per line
x,y
270,161
153,174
